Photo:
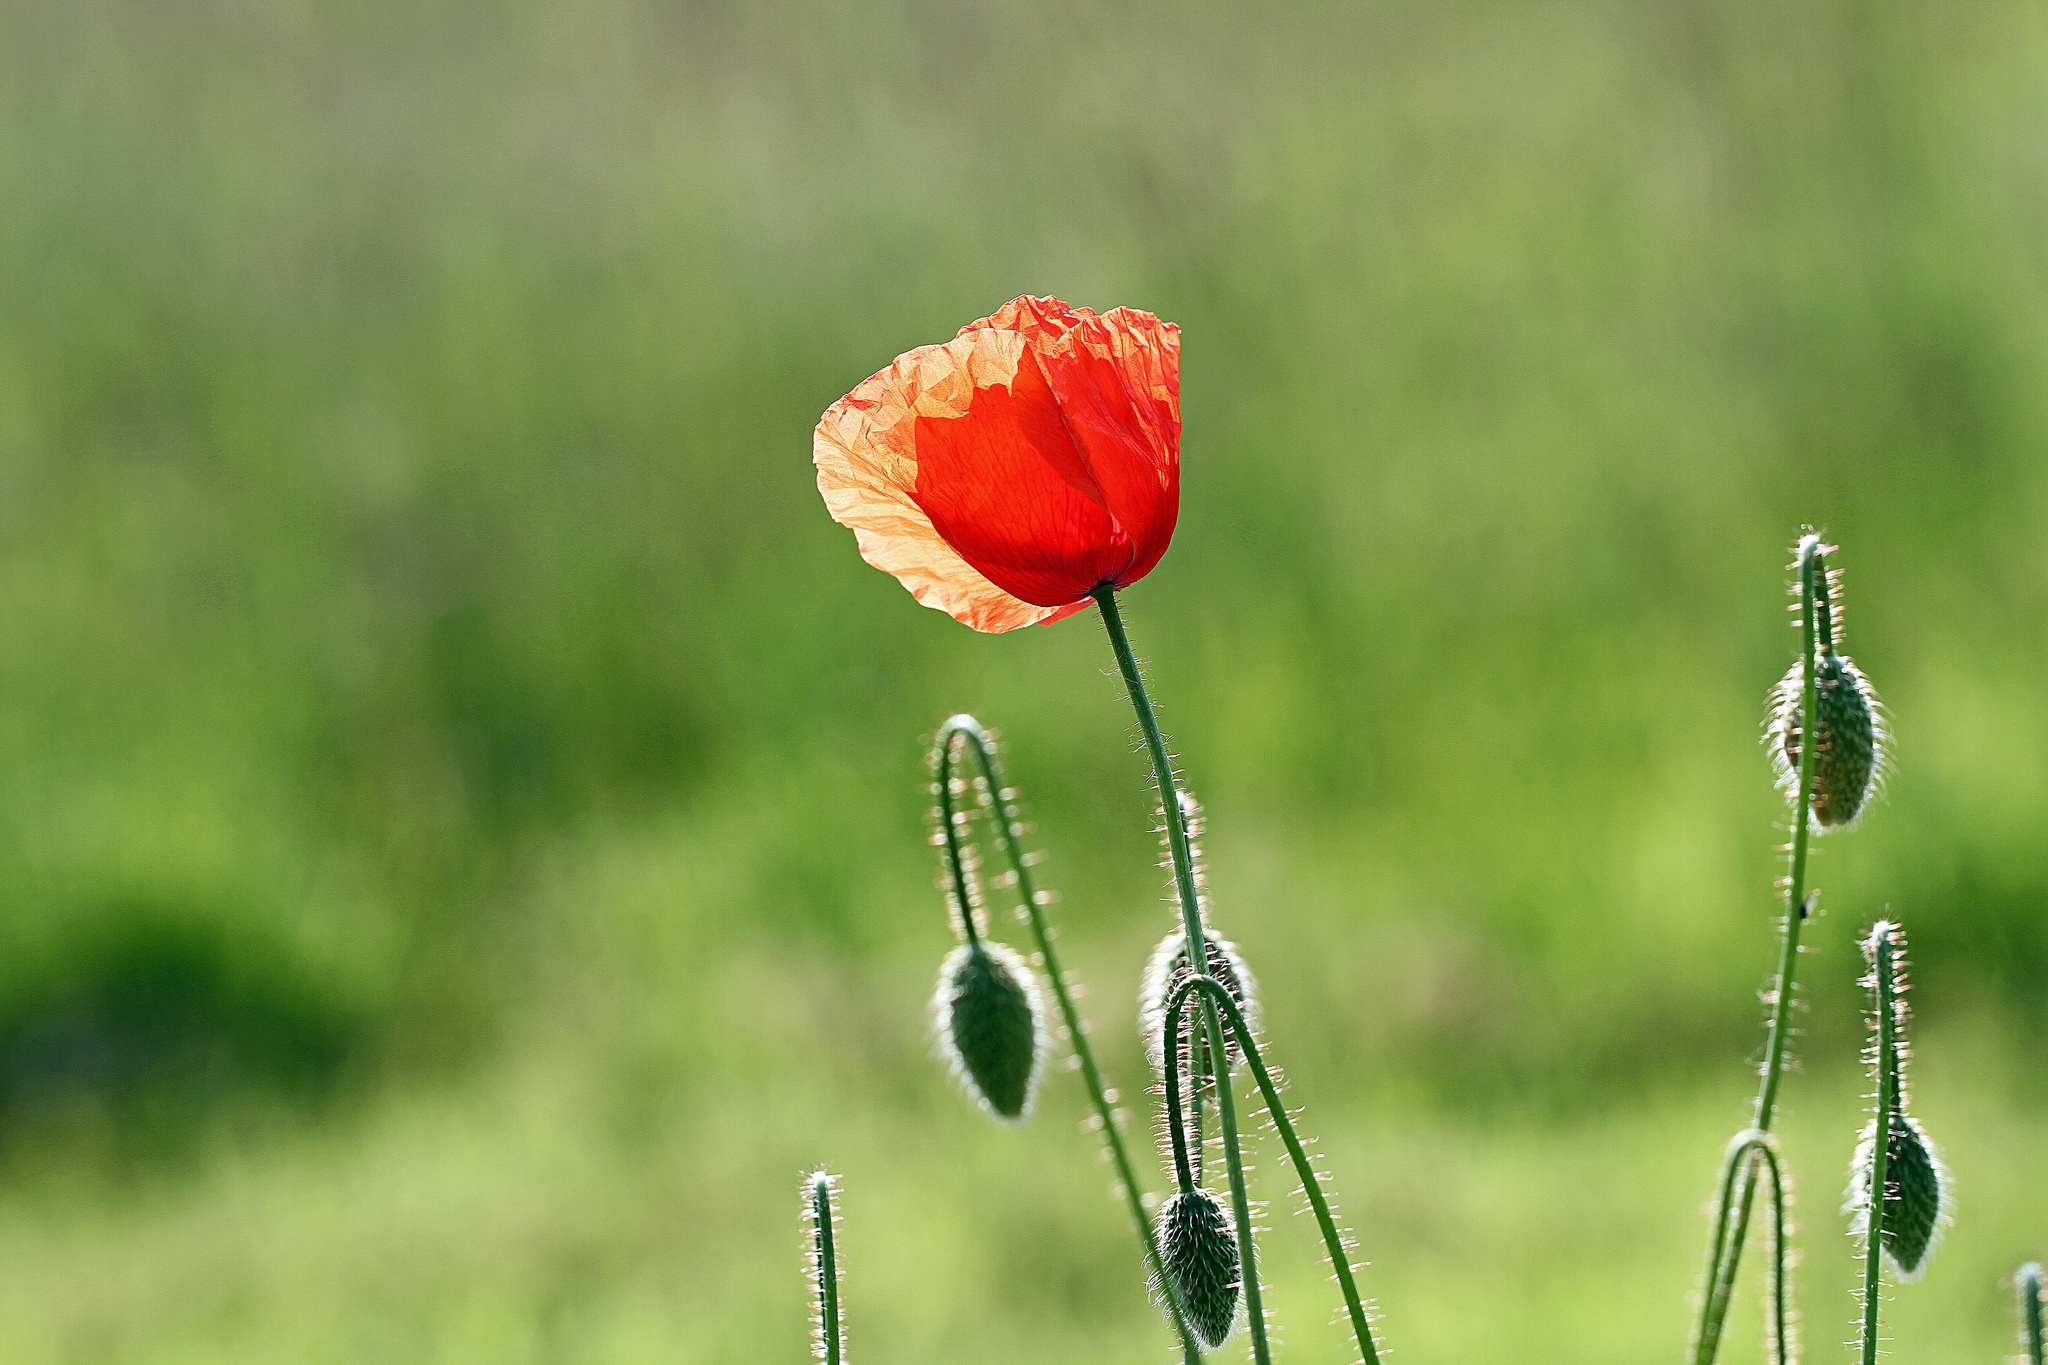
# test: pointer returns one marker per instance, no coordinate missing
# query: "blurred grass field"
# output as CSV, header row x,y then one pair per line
x,y
461,858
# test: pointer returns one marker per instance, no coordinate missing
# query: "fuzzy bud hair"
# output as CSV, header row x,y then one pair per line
x,y
1198,1254
1852,748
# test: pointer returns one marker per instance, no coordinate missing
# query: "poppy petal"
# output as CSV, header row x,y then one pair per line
x,y
1117,379
1004,483
1041,319
866,459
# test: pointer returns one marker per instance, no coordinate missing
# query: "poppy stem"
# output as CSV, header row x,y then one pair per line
x,y
825,1263
965,731
1745,1151
2028,1286
1726,1256
1198,951
1883,987
949,824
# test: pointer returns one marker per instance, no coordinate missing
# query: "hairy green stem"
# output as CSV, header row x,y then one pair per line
x,y
1746,1151
969,732
828,1267
2028,1285
1198,947
1240,1206
1311,1182
1816,634
1880,1145
1184,1171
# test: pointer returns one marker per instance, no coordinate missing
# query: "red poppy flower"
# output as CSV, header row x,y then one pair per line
x,y
1004,476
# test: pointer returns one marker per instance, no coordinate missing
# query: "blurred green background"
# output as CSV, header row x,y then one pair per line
x,y
461,852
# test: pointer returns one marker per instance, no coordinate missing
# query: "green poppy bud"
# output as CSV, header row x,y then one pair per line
x,y
990,1026
1198,1253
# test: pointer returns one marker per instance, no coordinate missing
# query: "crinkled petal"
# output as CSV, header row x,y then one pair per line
x,y
1005,484
866,457
1117,380
1042,320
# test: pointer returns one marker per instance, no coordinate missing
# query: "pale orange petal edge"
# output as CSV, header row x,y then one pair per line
x,y
867,469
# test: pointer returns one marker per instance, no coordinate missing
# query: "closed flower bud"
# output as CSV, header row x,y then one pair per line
x,y
1852,742
1166,972
1916,1192
989,1023
1916,1202
1850,754
1198,1253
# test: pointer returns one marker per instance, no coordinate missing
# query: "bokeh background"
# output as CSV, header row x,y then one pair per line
x,y
461,847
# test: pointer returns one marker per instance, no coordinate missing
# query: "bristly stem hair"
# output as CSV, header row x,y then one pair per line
x,y
824,1266
1817,633
1884,982
999,804
2028,1286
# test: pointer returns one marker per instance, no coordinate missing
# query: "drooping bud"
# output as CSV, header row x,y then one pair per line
x,y
1849,724
1851,738
990,1024
1916,1197
1166,972
1198,1255
1916,1183
1915,1203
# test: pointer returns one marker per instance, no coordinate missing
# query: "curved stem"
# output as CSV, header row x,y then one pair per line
x,y
1169,789
1781,1284
1197,942
1814,614
1304,1169
1008,833
949,822
1880,1134
1170,1066
1746,1151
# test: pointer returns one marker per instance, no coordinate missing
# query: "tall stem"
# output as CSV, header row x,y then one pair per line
x,y
1002,816
1816,633
1240,1201
1813,597
828,1267
1881,950
1198,949
2028,1283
